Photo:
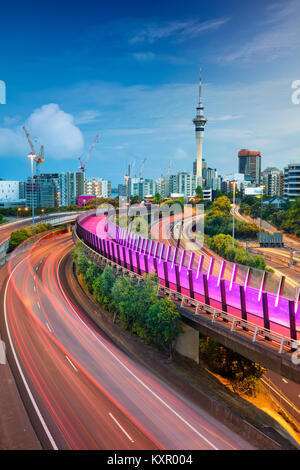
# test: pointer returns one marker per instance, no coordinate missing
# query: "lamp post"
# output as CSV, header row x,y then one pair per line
x,y
233,219
32,158
261,206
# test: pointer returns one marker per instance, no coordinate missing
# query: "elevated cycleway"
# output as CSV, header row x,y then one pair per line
x,y
259,325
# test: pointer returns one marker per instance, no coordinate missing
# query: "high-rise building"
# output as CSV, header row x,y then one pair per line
x,y
250,164
97,187
292,181
9,190
272,181
213,180
71,185
199,122
44,192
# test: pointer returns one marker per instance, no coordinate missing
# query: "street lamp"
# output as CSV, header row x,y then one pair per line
x,y
233,218
19,209
32,158
261,206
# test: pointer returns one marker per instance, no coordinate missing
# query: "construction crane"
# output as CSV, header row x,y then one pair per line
x,y
83,165
37,158
142,167
169,169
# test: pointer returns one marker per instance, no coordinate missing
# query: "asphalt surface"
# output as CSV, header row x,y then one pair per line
x,y
87,393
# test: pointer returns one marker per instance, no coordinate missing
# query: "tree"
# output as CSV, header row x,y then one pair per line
x,y
157,198
163,323
199,193
102,288
243,373
136,199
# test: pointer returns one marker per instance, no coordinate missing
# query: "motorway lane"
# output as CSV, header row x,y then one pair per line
x,y
91,394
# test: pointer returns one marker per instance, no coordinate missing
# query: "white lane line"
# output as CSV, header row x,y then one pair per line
x,y
71,363
285,381
38,305
48,326
145,386
34,288
122,429
45,427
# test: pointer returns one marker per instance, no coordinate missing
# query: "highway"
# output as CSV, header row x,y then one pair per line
x,y
85,392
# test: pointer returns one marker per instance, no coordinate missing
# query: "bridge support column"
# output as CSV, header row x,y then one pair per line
x,y
243,305
69,230
146,264
206,293
166,275
131,262
293,331
178,287
187,343
223,298
191,284
266,312
138,263
124,256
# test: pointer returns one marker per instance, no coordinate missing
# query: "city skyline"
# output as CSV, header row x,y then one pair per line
x,y
139,92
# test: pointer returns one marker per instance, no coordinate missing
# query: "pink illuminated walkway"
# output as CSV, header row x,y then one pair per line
x,y
278,307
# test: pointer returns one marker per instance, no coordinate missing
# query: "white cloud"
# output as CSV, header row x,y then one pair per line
x,y
179,30
279,35
48,125
86,117
56,130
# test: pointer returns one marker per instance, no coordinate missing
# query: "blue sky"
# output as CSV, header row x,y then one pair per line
x,y
129,72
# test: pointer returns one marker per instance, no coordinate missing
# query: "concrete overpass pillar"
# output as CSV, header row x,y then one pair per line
x,y
187,343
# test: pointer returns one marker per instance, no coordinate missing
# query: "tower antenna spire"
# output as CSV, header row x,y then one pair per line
x,y
200,85
199,123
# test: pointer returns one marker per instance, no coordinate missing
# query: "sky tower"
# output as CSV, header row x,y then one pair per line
x,y
199,122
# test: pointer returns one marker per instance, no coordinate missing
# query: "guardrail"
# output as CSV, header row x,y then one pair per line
x,y
236,324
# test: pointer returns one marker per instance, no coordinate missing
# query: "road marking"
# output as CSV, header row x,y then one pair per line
x,y
71,363
38,305
34,288
122,429
47,325
130,371
285,381
52,441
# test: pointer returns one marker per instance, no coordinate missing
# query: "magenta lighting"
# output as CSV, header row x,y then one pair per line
x,y
297,300
174,257
209,268
168,253
221,272
161,251
232,277
277,312
199,265
190,262
261,286
181,260
247,280
150,249
278,291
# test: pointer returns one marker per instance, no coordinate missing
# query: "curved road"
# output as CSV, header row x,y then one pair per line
x,y
86,392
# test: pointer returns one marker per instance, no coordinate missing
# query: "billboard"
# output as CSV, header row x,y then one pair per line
x,y
253,191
